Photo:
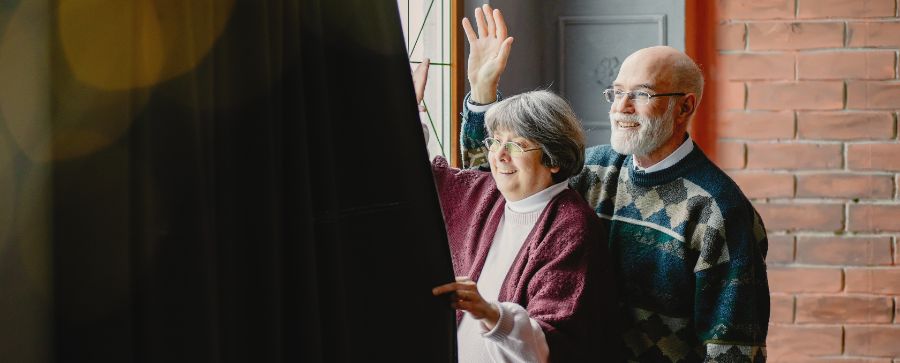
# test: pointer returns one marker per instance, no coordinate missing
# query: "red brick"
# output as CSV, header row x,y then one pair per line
x,y
790,36
877,64
844,250
828,360
793,156
844,309
802,217
874,34
872,95
765,184
730,36
845,186
878,157
792,341
858,125
730,155
794,280
731,95
845,9
874,218
758,9
884,281
872,340
781,249
756,125
757,66
897,187
782,308
807,95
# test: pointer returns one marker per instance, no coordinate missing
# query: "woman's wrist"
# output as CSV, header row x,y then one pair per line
x,y
491,316
483,95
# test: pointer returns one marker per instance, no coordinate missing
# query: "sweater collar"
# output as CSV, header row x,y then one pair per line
x,y
686,147
537,201
666,175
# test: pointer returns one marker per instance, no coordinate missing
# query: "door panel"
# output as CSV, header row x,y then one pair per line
x,y
575,47
592,38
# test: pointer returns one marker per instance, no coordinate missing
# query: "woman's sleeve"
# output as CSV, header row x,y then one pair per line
x,y
516,337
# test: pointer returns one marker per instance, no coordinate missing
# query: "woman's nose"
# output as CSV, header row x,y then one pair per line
x,y
503,153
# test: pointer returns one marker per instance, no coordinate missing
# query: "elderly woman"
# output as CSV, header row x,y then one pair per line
x,y
532,278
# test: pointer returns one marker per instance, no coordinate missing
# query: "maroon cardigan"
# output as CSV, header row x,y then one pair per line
x,y
561,275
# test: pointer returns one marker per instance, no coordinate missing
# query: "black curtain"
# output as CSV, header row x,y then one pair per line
x,y
274,203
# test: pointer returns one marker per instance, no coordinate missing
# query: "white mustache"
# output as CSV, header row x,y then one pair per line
x,y
621,117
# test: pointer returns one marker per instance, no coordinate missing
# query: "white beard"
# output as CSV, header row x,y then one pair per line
x,y
649,136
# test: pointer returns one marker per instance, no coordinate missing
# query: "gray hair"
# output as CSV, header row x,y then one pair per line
x,y
548,120
687,75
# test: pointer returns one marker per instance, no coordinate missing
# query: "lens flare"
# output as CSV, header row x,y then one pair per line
x,y
126,44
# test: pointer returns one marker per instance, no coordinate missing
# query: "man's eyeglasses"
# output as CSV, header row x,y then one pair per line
x,y
512,148
639,97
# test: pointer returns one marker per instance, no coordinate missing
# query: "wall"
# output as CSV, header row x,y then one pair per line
x,y
809,100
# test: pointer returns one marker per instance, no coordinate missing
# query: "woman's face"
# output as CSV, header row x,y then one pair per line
x,y
519,176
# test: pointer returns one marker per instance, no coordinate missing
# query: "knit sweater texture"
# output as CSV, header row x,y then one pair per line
x,y
559,275
688,250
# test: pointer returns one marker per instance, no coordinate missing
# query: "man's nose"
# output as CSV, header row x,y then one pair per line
x,y
623,104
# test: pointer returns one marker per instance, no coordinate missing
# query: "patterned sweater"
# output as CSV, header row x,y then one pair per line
x,y
688,250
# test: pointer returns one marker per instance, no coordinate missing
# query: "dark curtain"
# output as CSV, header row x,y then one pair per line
x,y
272,203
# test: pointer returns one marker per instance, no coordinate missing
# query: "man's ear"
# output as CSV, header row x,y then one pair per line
x,y
687,106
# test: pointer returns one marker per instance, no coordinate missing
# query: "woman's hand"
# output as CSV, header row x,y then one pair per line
x,y
488,53
420,78
465,297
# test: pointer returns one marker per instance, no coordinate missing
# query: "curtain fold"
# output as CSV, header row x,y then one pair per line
x,y
270,202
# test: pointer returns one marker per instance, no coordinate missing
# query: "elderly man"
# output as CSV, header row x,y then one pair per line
x,y
687,246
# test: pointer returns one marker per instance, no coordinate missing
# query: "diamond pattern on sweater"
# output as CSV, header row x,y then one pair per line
x,y
602,186
727,353
659,338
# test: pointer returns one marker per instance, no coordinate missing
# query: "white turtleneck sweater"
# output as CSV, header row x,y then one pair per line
x,y
516,337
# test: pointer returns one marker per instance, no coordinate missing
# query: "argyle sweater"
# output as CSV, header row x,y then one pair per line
x,y
688,249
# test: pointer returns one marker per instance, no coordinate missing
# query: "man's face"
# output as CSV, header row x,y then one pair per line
x,y
637,128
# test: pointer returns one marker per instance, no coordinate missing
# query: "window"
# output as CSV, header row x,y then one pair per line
x,y
431,29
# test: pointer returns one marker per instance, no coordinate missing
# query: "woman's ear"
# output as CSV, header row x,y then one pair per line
x,y
554,169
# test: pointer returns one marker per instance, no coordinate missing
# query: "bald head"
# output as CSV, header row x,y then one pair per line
x,y
665,68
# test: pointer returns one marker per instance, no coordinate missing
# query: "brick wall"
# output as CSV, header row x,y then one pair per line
x,y
807,125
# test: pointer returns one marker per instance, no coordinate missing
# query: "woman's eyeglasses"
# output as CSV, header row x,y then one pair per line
x,y
514,149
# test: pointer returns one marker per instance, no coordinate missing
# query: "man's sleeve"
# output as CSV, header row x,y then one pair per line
x,y
732,298
472,133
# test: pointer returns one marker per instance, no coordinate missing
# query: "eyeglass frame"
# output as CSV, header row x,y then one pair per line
x,y
521,151
632,95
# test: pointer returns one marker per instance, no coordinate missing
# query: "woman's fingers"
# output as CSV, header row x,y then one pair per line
x,y
489,19
420,78
452,287
500,24
470,33
480,22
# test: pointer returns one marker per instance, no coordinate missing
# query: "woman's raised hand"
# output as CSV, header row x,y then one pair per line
x,y
488,52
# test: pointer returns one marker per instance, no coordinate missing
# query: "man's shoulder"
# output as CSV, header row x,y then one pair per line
x,y
602,155
720,186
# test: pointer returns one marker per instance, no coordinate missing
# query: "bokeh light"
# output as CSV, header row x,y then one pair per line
x,y
7,190
125,44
